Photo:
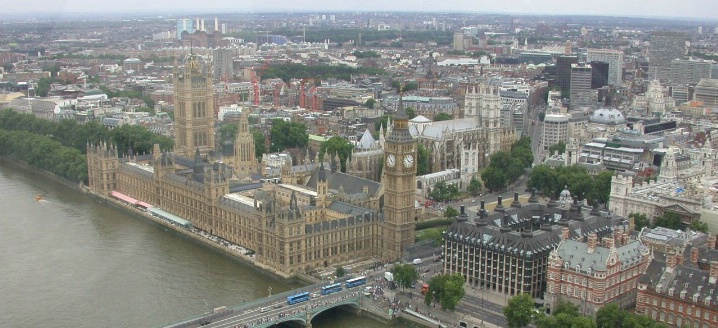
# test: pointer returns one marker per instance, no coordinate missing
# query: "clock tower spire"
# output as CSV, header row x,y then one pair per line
x,y
399,185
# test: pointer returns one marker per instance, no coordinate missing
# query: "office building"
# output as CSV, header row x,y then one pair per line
x,y
665,47
599,74
507,250
597,272
580,92
707,91
689,71
458,40
614,59
563,73
555,130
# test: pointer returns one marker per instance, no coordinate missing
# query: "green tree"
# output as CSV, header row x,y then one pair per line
x,y
423,164
337,145
228,132
583,322
287,135
451,212
560,147
340,272
474,187
260,143
640,220
370,103
520,310
442,192
410,112
381,122
404,275
669,220
446,289
610,316
494,179
543,179
563,306
443,117
601,187
698,225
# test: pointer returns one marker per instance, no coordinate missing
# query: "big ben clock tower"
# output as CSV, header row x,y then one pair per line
x,y
400,186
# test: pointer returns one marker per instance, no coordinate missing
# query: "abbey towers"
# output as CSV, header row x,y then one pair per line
x,y
194,106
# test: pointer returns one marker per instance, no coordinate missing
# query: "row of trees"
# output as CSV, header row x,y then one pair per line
x,y
551,182
668,220
44,153
285,135
72,134
446,290
443,192
343,35
287,72
521,311
505,167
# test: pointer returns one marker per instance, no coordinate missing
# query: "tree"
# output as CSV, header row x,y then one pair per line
x,y
383,121
610,316
370,103
410,112
288,135
494,179
443,117
447,289
601,187
451,212
337,145
560,147
443,192
640,220
228,132
520,310
582,322
669,220
698,225
543,179
405,275
260,144
474,187
340,272
423,165
567,307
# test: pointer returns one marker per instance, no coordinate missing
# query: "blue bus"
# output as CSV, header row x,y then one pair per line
x,y
333,288
298,298
355,282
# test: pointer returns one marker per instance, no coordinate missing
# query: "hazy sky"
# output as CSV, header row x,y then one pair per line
x,y
663,8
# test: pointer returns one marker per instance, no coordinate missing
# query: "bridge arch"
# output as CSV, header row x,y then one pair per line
x,y
350,303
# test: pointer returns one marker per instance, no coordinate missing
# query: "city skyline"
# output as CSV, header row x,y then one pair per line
x,y
700,9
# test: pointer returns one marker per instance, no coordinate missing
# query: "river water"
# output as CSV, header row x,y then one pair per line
x,y
68,261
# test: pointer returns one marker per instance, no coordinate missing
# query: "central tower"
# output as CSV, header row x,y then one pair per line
x,y
400,186
194,106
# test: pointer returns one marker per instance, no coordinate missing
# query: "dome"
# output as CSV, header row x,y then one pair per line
x,y
565,194
608,116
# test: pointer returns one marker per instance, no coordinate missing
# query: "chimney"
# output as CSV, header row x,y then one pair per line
x,y
482,211
516,202
679,259
713,277
592,243
694,255
564,233
533,198
505,226
712,241
609,242
462,217
499,207
670,262
365,190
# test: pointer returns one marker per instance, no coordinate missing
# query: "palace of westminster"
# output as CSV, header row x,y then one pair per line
x,y
315,217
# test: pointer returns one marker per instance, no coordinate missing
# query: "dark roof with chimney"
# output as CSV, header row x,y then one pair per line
x,y
351,184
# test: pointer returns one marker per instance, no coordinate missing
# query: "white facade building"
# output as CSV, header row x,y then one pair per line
x,y
614,58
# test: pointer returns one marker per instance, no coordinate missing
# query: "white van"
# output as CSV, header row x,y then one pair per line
x,y
265,309
417,261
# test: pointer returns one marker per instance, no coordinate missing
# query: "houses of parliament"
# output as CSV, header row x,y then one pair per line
x,y
327,219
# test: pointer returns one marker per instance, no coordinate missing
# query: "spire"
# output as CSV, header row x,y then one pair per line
x,y
401,112
322,175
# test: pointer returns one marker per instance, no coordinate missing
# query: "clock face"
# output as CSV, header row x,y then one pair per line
x,y
408,161
390,160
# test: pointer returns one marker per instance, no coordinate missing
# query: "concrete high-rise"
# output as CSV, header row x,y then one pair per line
x,y
222,61
184,24
707,91
581,94
614,58
458,40
600,73
689,71
194,107
665,47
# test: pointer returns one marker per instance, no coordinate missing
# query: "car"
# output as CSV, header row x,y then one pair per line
x,y
427,270
204,323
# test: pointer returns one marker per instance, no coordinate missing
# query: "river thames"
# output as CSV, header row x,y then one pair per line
x,y
68,261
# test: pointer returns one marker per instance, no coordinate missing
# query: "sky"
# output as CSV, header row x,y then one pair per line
x,y
704,9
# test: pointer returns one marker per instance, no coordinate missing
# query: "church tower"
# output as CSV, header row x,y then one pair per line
x,y
668,167
245,162
102,166
490,116
400,185
194,106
